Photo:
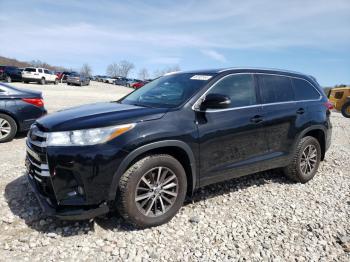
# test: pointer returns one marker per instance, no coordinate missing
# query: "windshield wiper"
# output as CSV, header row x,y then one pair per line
x,y
142,105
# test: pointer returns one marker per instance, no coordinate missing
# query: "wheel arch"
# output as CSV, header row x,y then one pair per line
x,y
178,149
318,132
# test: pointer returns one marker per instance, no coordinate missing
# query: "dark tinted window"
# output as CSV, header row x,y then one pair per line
x,y
239,88
275,89
338,95
46,71
40,70
29,69
304,90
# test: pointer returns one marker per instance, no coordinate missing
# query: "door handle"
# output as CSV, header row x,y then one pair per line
x,y
257,119
301,111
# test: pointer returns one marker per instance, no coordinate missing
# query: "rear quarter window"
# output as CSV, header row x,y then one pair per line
x,y
275,89
304,90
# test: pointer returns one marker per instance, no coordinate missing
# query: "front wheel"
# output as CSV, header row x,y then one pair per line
x,y
8,79
152,191
345,110
306,160
42,81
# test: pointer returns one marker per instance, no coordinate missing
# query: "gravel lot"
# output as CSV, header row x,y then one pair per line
x,y
260,217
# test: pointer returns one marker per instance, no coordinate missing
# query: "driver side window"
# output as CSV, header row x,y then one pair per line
x,y
240,88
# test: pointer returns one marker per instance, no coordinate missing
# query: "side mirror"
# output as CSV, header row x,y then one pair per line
x,y
216,101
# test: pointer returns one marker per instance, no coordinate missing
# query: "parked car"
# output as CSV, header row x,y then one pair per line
x,y
78,79
130,82
121,81
19,108
139,84
101,78
62,76
109,80
340,98
144,153
39,75
10,74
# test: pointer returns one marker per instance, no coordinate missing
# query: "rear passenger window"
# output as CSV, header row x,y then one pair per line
x,y
304,90
40,70
275,89
239,88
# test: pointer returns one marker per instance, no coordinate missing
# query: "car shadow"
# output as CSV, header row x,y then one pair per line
x,y
23,204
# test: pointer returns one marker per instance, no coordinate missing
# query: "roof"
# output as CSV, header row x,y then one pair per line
x,y
252,70
245,69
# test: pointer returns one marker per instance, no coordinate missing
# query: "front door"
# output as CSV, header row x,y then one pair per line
x,y
232,140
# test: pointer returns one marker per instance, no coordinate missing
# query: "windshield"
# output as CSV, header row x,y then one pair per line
x,y
168,91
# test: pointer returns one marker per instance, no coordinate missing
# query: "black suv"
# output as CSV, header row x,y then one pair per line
x,y
144,153
10,74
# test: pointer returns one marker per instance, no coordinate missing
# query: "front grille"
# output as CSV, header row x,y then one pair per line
x,y
37,165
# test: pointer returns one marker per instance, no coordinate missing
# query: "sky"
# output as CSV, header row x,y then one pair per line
x,y
309,36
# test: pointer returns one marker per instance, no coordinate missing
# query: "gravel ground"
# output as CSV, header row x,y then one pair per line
x,y
259,217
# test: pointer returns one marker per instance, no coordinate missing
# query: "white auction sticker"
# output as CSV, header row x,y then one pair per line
x,y
200,77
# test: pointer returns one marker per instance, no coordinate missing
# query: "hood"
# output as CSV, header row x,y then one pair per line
x,y
98,115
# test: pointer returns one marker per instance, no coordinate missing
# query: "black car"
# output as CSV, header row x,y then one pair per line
x,y
19,108
10,74
144,153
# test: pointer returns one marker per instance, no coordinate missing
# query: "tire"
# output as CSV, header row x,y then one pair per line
x,y
42,81
56,82
9,124
131,209
68,84
8,79
296,170
345,110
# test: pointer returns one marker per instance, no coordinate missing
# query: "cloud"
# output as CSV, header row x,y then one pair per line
x,y
168,32
214,55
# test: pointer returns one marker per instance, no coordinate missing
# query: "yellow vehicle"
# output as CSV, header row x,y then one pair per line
x,y
340,98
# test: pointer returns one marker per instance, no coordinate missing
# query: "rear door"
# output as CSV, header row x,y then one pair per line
x,y
232,141
282,117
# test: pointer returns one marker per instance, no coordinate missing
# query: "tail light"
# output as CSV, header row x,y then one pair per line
x,y
329,105
39,102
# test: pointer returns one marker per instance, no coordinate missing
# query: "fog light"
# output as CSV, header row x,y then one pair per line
x,y
80,190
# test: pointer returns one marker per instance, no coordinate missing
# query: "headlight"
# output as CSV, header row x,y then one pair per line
x,y
87,136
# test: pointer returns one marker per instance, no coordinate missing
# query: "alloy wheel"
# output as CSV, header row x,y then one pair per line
x,y
308,160
5,128
156,192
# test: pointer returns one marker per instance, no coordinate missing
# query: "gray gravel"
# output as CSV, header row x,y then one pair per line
x,y
260,217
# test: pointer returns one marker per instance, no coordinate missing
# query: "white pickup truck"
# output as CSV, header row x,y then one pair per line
x,y
40,75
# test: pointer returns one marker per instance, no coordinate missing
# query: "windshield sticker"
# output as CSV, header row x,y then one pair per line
x,y
201,77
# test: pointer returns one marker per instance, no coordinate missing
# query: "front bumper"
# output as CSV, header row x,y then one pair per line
x,y
72,183
75,213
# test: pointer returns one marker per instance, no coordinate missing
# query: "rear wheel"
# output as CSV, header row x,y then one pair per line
x,y
345,110
152,191
8,128
306,160
8,79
